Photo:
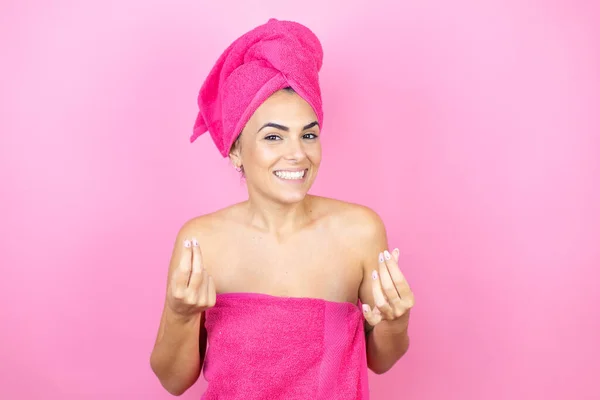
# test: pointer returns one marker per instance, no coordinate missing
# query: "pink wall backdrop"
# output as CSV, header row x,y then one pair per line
x,y
472,127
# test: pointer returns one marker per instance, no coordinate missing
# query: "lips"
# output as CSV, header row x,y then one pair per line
x,y
297,174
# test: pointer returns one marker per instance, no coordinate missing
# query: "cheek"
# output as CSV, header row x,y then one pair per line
x,y
314,154
261,156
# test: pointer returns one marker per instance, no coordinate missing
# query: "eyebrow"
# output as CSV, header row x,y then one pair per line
x,y
285,128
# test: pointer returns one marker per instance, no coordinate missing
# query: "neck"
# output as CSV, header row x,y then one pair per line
x,y
278,218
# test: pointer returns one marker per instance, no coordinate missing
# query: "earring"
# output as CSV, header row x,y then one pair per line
x,y
238,169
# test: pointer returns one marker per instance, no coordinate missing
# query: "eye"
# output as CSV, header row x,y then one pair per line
x,y
310,136
272,137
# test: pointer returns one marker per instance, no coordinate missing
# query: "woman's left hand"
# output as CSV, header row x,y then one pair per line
x,y
393,297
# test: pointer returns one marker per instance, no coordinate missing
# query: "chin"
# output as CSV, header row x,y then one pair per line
x,y
289,191
291,198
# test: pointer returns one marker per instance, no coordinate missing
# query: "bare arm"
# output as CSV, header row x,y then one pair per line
x,y
180,344
388,340
176,358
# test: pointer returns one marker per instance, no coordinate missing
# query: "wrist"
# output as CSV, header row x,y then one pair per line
x,y
392,328
174,318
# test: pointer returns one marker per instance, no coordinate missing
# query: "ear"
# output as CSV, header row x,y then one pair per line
x,y
235,154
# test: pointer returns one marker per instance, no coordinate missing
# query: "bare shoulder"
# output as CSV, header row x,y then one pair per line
x,y
349,215
357,221
212,231
206,226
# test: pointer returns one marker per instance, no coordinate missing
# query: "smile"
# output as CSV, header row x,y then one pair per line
x,y
291,175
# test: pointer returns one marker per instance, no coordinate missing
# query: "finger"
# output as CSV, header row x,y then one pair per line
x,y
196,278
390,286
400,306
402,286
196,255
397,276
181,275
200,293
408,299
380,300
387,283
370,315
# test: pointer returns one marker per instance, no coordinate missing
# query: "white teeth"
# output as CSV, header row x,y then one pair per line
x,y
290,175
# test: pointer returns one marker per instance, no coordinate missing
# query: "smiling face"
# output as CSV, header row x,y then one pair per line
x,y
279,148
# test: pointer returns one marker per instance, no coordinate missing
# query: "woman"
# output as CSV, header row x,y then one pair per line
x,y
272,284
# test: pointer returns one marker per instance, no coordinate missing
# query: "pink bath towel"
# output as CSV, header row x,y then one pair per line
x,y
268,58
270,347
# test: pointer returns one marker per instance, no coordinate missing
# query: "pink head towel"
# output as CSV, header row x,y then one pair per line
x,y
266,59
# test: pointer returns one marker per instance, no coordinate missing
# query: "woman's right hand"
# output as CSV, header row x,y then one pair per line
x,y
192,289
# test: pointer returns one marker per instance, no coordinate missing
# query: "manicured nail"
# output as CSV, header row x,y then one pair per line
x,y
365,308
387,255
195,242
380,257
187,243
396,251
374,275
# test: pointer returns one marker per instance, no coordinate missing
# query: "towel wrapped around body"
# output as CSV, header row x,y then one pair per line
x,y
269,347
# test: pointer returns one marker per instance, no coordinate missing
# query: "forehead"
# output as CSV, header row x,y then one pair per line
x,y
284,107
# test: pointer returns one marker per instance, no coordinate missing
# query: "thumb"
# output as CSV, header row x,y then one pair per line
x,y
373,317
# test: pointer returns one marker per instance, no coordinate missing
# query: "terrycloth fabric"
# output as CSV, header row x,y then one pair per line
x,y
268,58
269,347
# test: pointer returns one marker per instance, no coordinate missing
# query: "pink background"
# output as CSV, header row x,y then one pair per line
x,y
472,127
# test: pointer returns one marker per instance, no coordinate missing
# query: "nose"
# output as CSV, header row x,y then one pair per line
x,y
294,151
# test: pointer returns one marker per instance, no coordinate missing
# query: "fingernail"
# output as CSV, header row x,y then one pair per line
x,y
187,243
380,257
374,275
195,242
387,255
396,251
365,308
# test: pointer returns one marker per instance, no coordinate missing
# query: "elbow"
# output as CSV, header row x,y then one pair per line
x,y
171,385
381,366
173,388
174,391
380,369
